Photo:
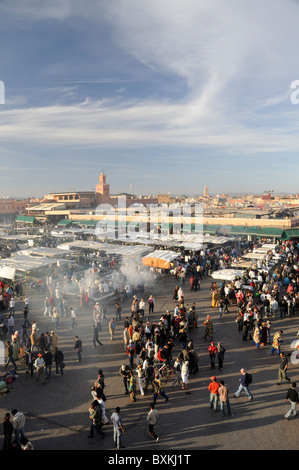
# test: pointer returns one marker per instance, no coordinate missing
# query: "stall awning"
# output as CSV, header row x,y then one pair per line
x,y
160,259
270,232
210,229
224,229
291,233
25,219
86,223
64,223
243,230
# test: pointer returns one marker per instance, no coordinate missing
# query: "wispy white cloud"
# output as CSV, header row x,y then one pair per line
x,y
236,60
138,124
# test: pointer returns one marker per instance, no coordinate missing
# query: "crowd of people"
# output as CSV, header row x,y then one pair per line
x,y
260,297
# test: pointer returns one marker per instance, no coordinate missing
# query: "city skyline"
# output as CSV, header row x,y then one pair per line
x,y
165,97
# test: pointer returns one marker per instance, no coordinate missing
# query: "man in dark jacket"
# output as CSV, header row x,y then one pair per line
x,y
125,372
10,357
244,385
48,358
292,397
282,371
58,359
7,431
78,348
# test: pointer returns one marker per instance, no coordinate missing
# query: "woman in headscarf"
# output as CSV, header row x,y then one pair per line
x,y
214,298
208,328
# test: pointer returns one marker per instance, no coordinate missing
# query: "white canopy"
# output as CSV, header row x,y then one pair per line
x,y
39,251
116,249
227,274
259,256
27,263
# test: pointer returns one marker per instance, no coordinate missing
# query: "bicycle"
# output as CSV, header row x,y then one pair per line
x,y
165,370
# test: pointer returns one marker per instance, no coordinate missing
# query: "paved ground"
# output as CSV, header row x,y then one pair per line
x,y
57,414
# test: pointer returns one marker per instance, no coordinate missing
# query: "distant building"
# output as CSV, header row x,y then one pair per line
x,y
12,206
102,190
206,191
72,199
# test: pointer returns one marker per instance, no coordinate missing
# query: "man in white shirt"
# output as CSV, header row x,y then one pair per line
x,y
10,324
18,423
12,306
26,302
274,308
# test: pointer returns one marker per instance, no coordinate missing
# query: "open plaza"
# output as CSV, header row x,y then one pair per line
x,y
87,273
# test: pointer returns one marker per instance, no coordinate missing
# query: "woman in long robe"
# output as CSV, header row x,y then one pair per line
x,y
215,298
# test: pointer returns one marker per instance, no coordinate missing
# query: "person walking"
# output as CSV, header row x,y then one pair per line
x,y
131,352
177,369
152,419
112,328
118,429
151,304
58,359
245,380
118,310
7,432
95,338
55,319
29,360
140,375
18,423
220,355
212,350
132,387
25,314
213,389
185,376
10,357
12,306
39,364
34,340
125,371
292,397
10,324
47,308
276,342
95,414
53,341
73,317
209,328
158,389
48,358
223,398
282,371
78,348
221,307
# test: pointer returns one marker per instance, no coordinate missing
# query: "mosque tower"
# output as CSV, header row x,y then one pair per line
x,y
206,191
102,190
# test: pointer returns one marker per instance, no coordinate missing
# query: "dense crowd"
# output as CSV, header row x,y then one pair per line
x,y
260,296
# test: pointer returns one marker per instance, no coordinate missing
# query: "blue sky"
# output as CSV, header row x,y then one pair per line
x,y
164,96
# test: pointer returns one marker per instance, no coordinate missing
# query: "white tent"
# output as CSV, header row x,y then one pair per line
x,y
257,256
7,272
227,274
39,251
27,263
112,248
